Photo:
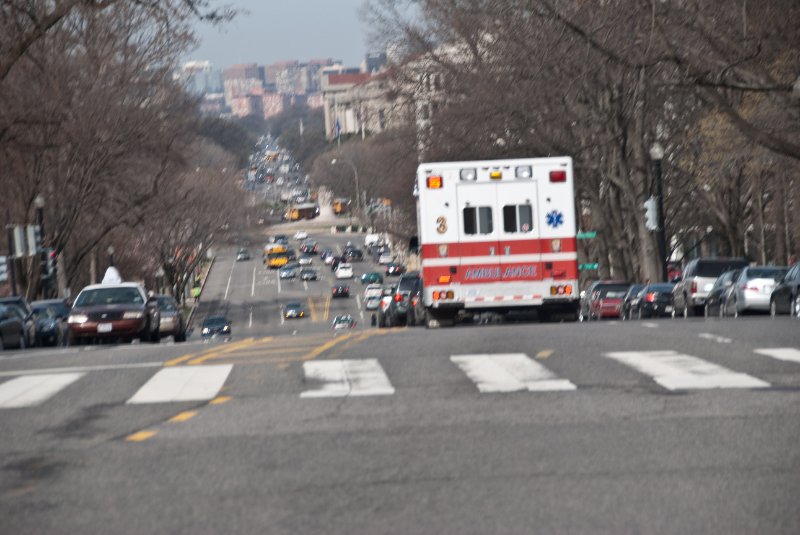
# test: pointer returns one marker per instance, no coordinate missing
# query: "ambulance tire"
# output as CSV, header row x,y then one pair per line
x,y
436,321
544,316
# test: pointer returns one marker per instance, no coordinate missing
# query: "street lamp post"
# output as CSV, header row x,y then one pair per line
x,y
358,190
657,154
38,202
110,251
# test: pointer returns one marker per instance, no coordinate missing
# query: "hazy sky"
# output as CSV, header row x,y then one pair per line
x,y
275,30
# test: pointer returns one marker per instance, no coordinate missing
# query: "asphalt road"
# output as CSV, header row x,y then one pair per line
x,y
663,426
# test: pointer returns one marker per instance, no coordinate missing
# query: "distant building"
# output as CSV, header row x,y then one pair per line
x,y
374,63
213,104
201,78
240,81
339,119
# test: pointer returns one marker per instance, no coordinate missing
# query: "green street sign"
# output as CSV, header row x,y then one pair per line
x,y
588,235
588,266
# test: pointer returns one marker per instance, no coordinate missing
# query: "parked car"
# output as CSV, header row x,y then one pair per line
x,y
385,257
172,322
655,301
51,322
301,235
120,311
400,309
12,329
345,321
306,259
631,301
344,271
785,297
340,290
372,303
294,310
308,274
22,308
752,289
715,300
592,305
289,271
309,247
372,277
394,270
242,255
214,326
372,290
690,293
354,255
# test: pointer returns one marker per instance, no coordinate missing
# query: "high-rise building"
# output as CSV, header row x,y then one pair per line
x,y
201,78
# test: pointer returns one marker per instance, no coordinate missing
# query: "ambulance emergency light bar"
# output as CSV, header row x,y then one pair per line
x,y
471,174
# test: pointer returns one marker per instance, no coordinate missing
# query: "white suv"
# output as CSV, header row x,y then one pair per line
x,y
699,276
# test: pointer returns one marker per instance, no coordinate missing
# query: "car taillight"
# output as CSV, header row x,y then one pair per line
x,y
398,298
650,297
694,287
747,288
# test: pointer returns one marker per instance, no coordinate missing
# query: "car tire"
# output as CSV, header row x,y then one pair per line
x,y
706,312
23,342
639,315
581,317
674,313
144,336
2,344
735,310
721,310
773,308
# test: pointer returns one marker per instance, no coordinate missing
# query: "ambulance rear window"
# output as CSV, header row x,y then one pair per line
x,y
478,220
517,218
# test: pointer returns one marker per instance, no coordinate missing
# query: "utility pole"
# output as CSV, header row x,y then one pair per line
x,y
12,280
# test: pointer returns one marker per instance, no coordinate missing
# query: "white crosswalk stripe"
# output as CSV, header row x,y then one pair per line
x,y
509,372
675,371
190,383
789,354
340,378
30,390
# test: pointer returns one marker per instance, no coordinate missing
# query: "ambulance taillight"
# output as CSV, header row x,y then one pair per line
x,y
558,176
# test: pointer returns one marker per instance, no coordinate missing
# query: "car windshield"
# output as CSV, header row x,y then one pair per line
x,y
166,304
52,310
634,290
664,288
616,291
110,296
715,268
215,321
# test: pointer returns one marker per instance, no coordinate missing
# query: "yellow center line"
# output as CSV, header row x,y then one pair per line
x,y
544,353
230,348
175,362
182,417
317,351
327,308
219,400
355,341
141,436
312,309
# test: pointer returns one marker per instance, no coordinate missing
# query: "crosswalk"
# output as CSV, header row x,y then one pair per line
x,y
491,374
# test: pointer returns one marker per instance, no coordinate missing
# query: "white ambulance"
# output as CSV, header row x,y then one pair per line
x,y
497,236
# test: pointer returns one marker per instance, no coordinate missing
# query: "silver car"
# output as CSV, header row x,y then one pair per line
x,y
752,290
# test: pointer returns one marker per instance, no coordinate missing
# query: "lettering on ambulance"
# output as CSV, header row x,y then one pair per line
x,y
488,274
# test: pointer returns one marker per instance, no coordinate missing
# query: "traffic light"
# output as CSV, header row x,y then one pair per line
x,y
52,263
651,214
34,239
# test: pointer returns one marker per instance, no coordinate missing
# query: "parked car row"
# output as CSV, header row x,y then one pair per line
x,y
118,311
724,287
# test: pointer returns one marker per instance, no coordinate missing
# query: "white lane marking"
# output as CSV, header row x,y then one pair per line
x,y
78,369
189,383
30,390
361,313
650,325
228,287
675,371
342,378
358,301
715,338
283,319
278,278
788,354
509,372
305,285
253,289
251,318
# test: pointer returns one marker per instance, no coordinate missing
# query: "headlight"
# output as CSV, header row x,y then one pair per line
x,y
206,330
226,328
132,315
77,318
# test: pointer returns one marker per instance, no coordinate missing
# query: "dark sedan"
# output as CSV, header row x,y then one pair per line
x,y
630,301
786,295
715,301
394,270
215,326
51,321
655,301
340,291
12,329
